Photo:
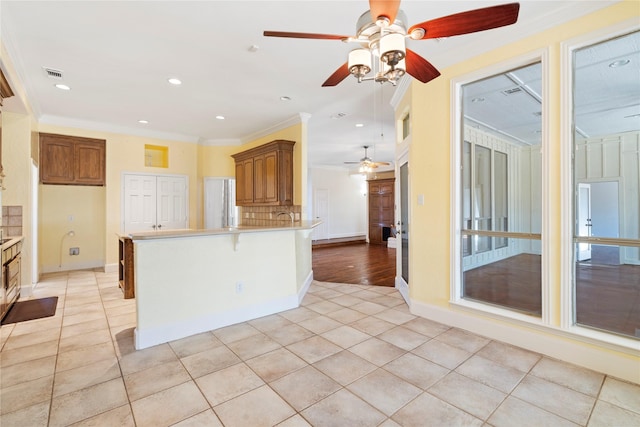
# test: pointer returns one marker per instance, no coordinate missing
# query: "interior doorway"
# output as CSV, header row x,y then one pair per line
x,y
321,213
598,208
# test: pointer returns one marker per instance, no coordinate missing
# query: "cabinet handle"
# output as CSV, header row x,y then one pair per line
x,y
153,226
159,226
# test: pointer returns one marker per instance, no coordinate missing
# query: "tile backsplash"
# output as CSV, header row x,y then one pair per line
x,y
12,221
268,215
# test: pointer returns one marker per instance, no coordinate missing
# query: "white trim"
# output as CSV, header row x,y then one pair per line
x,y
543,339
401,90
164,333
567,47
403,288
70,266
457,133
305,287
110,128
111,268
294,120
547,243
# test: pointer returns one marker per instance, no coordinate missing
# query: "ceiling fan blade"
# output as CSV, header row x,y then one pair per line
x,y
387,8
339,75
351,163
304,35
470,21
420,68
381,164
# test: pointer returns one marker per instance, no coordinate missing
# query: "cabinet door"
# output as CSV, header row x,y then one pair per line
x,y
271,182
247,167
259,174
56,161
89,163
240,183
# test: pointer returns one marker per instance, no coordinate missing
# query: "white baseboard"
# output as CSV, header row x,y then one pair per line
x,y
161,334
111,268
68,266
403,288
547,341
305,287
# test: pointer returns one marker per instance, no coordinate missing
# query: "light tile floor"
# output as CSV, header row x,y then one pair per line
x,y
349,356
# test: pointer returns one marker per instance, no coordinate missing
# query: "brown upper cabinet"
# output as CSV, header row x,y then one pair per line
x,y
5,92
264,175
72,160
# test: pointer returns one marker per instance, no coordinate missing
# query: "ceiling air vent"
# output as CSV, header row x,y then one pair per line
x,y
53,73
511,91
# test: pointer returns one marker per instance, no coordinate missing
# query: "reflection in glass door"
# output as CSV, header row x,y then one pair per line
x,y
404,222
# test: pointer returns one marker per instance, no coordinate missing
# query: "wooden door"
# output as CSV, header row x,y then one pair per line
x,y
381,209
89,163
56,161
271,184
244,182
258,179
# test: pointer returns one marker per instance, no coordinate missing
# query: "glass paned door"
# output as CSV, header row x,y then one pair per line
x,y
404,221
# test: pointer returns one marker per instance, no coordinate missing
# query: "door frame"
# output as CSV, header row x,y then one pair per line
x,y
401,159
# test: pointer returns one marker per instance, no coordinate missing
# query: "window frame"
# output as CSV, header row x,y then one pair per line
x,y
457,133
567,193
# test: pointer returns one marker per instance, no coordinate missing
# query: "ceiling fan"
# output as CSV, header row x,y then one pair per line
x,y
381,31
366,163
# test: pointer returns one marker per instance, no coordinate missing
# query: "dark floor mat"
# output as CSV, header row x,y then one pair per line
x,y
31,310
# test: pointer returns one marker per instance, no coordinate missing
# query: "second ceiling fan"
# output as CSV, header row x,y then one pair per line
x,y
381,31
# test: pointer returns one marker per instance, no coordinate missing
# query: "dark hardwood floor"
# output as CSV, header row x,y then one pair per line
x,y
359,263
607,296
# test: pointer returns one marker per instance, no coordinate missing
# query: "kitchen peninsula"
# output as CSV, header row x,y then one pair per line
x,y
191,281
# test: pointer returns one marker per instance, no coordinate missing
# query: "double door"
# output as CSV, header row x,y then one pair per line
x,y
154,202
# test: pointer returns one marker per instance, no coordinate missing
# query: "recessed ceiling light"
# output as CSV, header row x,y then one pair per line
x,y
174,81
220,117
359,125
63,87
285,98
144,122
474,100
619,63
253,48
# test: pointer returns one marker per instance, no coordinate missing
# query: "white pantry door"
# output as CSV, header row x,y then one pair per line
x,y
321,213
171,197
153,202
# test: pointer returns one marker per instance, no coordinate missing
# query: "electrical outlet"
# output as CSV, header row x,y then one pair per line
x,y
239,287
74,251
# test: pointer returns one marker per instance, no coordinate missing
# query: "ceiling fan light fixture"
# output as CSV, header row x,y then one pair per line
x,y
393,73
392,48
417,33
359,62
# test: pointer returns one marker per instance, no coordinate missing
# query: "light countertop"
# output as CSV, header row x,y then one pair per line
x,y
278,226
12,241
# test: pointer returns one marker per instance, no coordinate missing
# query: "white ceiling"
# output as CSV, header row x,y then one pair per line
x,y
117,57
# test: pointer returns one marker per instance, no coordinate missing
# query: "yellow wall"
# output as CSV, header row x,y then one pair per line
x,y
66,208
16,150
430,251
125,153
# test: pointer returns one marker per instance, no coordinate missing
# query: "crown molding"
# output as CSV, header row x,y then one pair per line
x,y
291,121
